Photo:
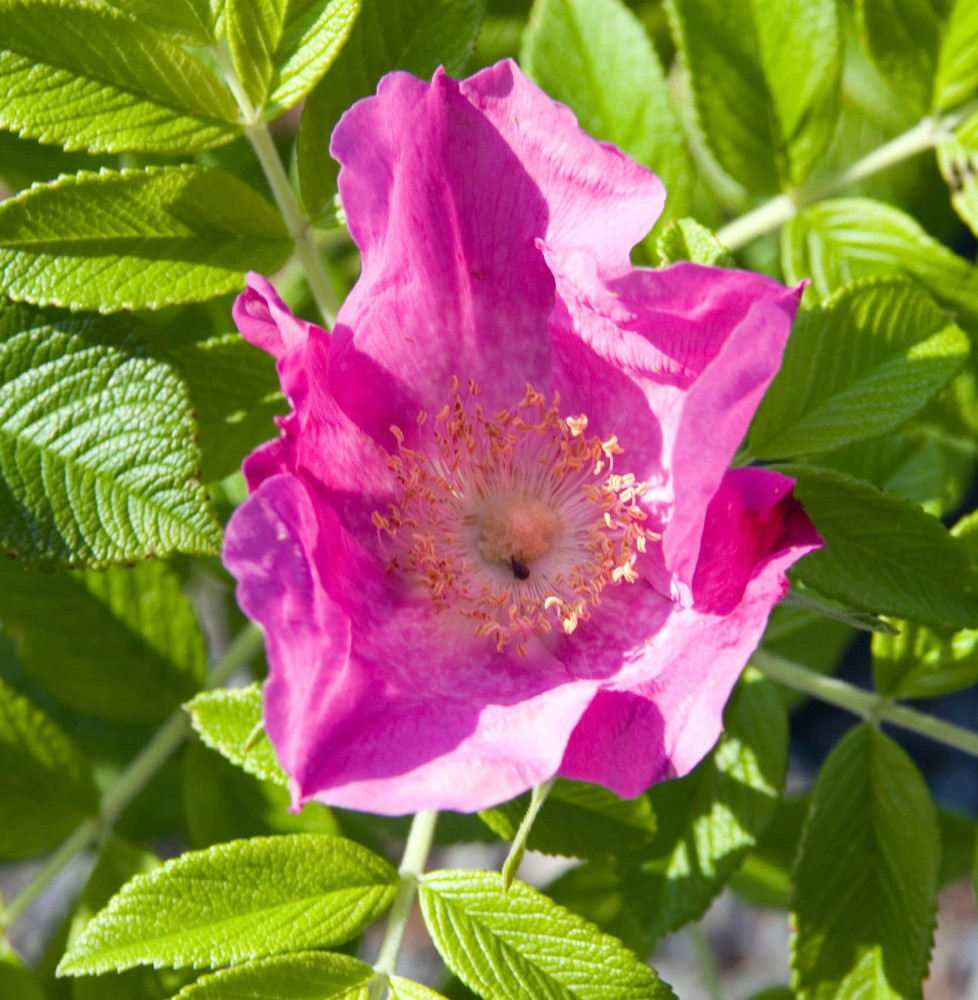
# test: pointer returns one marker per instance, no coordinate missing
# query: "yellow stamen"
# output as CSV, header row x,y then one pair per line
x,y
510,519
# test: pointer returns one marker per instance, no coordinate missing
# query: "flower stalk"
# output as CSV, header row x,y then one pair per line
x,y
866,704
413,863
781,209
133,780
297,223
518,847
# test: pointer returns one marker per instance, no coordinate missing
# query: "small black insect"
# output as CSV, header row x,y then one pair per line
x,y
520,570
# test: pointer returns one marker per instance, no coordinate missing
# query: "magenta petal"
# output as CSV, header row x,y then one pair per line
x,y
371,703
674,362
449,188
318,440
664,711
389,575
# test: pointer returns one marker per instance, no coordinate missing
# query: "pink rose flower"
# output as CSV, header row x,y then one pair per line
x,y
497,538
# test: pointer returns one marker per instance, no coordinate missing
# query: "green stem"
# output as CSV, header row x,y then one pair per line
x,y
866,704
705,961
83,836
257,133
775,213
518,847
134,779
412,868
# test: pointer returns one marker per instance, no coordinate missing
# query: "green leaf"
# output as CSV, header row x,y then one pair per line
x,y
413,35
234,391
579,820
919,662
118,861
686,239
764,879
957,64
922,464
866,875
804,635
127,648
710,819
192,21
17,982
221,803
856,367
86,76
24,161
137,239
97,454
520,944
924,663
957,156
595,57
903,39
404,989
312,975
765,79
883,554
838,241
228,720
238,901
281,48
957,843
46,786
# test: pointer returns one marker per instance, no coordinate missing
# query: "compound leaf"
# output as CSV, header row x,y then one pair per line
x,y
137,239
516,944
866,875
855,367
244,900
86,76
97,456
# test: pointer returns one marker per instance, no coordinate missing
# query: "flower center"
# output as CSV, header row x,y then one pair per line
x,y
515,520
515,529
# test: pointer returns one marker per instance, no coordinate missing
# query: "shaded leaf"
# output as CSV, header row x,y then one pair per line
x,y
46,786
837,241
863,916
127,648
234,391
903,38
579,820
221,803
765,79
595,57
883,554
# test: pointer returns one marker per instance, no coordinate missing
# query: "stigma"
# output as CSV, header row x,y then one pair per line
x,y
514,521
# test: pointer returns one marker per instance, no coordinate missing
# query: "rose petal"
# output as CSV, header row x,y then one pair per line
x,y
674,363
372,702
449,188
661,714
